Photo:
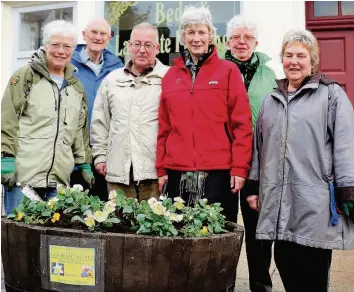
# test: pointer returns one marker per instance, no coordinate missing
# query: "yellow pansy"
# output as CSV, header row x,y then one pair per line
x,y
55,217
204,230
19,216
61,191
89,221
51,203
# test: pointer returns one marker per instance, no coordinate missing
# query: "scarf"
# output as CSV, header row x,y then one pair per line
x,y
247,68
194,68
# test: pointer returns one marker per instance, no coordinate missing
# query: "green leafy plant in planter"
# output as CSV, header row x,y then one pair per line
x,y
74,208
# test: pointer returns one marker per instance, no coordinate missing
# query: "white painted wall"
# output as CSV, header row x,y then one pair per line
x,y
274,19
6,52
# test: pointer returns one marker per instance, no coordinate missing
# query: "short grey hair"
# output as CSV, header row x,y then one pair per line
x,y
146,25
307,39
239,21
59,27
193,15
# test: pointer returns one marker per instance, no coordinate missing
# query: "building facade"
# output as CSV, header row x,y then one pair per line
x,y
332,22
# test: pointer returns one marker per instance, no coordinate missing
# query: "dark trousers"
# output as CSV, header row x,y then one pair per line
x,y
99,188
259,252
217,190
302,268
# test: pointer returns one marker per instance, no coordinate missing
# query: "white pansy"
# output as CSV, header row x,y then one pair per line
x,y
112,195
100,216
178,200
152,201
205,200
110,207
77,188
162,197
175,217
158,209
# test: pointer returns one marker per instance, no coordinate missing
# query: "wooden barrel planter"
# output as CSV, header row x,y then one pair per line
x,y
123,262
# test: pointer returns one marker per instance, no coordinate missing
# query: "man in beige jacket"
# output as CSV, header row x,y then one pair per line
x,y
124,119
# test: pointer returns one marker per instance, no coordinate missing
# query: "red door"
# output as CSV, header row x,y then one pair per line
x,y
332,22
337,57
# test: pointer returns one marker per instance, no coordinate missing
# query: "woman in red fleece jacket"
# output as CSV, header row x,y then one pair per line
x,y
204,142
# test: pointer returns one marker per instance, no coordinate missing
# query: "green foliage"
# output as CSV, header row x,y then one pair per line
x,y
74,208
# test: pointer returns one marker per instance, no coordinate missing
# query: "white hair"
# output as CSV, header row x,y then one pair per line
x,y
59,27
193,15
306,38
239,21
146,25
93,24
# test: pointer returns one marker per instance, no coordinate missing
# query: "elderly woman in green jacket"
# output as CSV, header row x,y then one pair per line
x,y
44,129
259,80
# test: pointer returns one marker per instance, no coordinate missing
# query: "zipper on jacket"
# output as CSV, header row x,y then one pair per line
x,y
56,136
192,89
284,157
193,134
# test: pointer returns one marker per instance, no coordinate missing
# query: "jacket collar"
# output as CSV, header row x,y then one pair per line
x,y
109,59
158,71
39,63
180,62
310,82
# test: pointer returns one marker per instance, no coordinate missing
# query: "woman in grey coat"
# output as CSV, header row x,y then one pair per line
x,y
303,168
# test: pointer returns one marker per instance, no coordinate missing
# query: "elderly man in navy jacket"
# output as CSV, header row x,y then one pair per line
x,y
94,63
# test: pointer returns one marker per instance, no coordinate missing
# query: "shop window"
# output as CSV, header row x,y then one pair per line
x,y
32,23
29,23
165,15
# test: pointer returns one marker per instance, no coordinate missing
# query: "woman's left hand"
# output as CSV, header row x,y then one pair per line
x,y
236,183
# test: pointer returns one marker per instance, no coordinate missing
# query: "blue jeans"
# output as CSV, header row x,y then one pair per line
x,y
14,197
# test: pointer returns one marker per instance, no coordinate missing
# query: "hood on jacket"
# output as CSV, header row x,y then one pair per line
x,y
39,63
108,58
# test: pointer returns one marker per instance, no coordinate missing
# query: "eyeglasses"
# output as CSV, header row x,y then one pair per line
x,y
147,46
246,38
96,33
57,46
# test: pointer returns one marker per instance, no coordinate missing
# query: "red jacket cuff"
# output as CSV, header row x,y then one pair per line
x,y
241,172
161,172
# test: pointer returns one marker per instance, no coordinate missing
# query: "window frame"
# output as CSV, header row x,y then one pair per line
x,y
327,22
17,24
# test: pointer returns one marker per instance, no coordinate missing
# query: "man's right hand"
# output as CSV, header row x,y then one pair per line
x,y
8,172
101,168
162,180
253,201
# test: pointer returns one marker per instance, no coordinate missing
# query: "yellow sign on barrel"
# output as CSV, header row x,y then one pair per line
x,y
72,265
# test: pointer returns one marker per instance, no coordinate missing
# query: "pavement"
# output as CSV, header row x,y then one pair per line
x,y
342,272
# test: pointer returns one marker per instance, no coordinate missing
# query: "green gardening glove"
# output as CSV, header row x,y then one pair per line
x,y
348,209
8,171
87,174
